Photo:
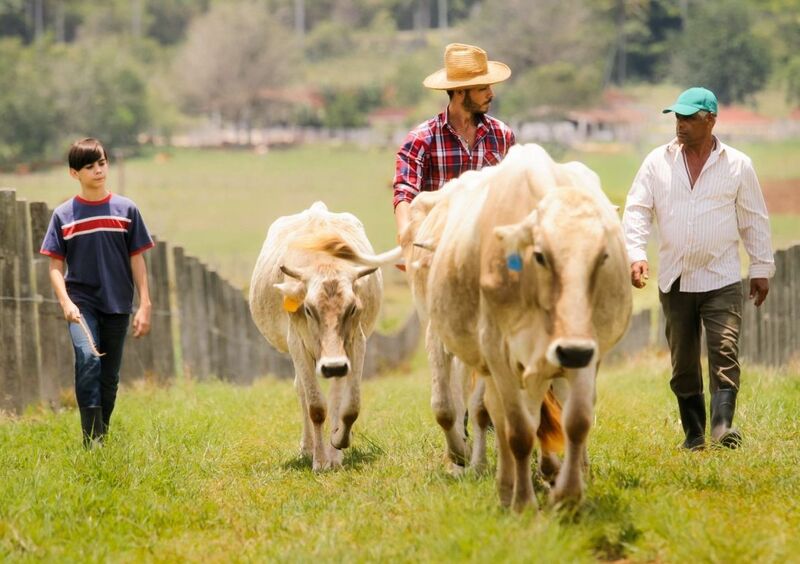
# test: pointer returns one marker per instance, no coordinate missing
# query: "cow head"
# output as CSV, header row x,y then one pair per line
x,y
561,246
324,308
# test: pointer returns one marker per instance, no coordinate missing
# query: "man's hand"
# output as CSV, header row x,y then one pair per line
x,y
759,288
640,273
141,322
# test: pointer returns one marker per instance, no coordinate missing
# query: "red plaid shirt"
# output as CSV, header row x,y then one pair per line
x,y
432,154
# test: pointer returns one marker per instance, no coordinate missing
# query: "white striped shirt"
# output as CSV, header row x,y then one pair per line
x,y
699,228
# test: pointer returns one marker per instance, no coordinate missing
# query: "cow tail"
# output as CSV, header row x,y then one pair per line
x,y
550,432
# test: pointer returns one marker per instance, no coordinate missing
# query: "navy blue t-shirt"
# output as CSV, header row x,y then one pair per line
x,y
96,240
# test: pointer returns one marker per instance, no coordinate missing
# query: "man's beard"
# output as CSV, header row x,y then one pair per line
x,y
471,107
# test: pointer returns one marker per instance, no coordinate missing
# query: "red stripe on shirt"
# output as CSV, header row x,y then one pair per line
x,y
52,254
143,249
102,223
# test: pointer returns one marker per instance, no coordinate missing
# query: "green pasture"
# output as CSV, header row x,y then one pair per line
x,y
210,472
218,204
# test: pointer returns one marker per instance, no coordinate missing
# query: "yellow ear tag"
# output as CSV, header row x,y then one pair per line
x,y
290,304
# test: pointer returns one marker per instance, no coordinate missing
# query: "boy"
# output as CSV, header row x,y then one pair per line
x,y
100,237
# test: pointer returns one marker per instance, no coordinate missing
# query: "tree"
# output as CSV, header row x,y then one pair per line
x,y
720,51
541,33
232,54
556,50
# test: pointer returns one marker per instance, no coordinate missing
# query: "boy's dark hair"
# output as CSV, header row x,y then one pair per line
x,y
84,152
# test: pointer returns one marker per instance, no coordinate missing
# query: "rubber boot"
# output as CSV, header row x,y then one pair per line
x,y
92,426
723,406
693,419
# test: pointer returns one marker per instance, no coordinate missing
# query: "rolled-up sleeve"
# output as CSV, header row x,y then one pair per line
x,y
637,220
409,169
753,222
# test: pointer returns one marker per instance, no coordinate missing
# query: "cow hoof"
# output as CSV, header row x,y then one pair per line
x,y
560,498
456,470
479,468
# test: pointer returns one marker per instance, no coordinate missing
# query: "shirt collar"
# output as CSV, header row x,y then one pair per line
x,y
675,148
442,119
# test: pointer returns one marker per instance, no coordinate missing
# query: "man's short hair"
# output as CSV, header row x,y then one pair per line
x,y
84,152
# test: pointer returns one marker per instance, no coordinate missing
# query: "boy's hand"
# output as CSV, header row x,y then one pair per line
x,y
141,322
71,312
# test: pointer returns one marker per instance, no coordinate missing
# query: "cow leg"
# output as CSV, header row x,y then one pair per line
x,y
442,402
315,401
307,440
505,460
520,430
480,420
350,398
578,414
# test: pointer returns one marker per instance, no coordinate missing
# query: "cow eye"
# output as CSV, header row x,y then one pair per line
x,y
350,311
539,256
604,258
308,312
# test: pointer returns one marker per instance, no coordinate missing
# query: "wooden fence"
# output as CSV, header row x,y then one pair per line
x,y
201,325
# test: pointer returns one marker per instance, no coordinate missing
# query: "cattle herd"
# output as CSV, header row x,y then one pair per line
x,y
520,278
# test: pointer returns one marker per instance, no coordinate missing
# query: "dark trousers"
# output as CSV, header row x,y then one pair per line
x,y
97,378
720,312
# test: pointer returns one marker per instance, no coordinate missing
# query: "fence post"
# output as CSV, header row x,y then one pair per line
x,y
186,320
794,300
161,330
201,331
56,346
10,352
30,346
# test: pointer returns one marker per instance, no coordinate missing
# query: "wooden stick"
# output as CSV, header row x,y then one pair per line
x,y
82,323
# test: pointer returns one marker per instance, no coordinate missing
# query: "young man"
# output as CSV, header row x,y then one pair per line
x,y
705,196
461,138
100,237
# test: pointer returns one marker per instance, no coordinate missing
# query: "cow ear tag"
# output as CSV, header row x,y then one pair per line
x,y
290,304
514,262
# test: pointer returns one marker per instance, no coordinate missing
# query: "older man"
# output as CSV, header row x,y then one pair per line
x,y
461,138
705,196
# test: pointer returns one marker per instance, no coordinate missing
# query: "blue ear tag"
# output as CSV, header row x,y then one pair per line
x,y
514,262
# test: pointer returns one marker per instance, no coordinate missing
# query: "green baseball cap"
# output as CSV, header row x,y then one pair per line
x,y
692,101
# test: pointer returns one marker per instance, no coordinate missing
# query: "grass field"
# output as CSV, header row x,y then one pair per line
x,y
219,204
209,472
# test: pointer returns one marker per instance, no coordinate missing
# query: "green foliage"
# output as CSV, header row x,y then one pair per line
x,y
69,90
232,55
559,86
719,51
210,472
349,107
32,122
793,80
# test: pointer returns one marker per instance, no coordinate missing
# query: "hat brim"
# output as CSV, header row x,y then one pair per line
x,y
682,109
497,72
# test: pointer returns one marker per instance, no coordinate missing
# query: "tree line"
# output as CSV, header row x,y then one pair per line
x,y
123,68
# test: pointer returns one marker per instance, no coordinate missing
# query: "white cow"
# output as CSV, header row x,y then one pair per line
x,y
320,309
529,282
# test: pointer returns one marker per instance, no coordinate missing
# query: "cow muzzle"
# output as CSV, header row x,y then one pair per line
x,y
571,353
333,367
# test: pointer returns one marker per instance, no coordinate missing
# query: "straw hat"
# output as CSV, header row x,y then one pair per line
x,y
465,66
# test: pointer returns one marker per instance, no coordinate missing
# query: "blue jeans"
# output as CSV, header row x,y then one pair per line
x,y
97,378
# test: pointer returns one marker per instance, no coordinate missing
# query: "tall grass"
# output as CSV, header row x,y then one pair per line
x,y
210,472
